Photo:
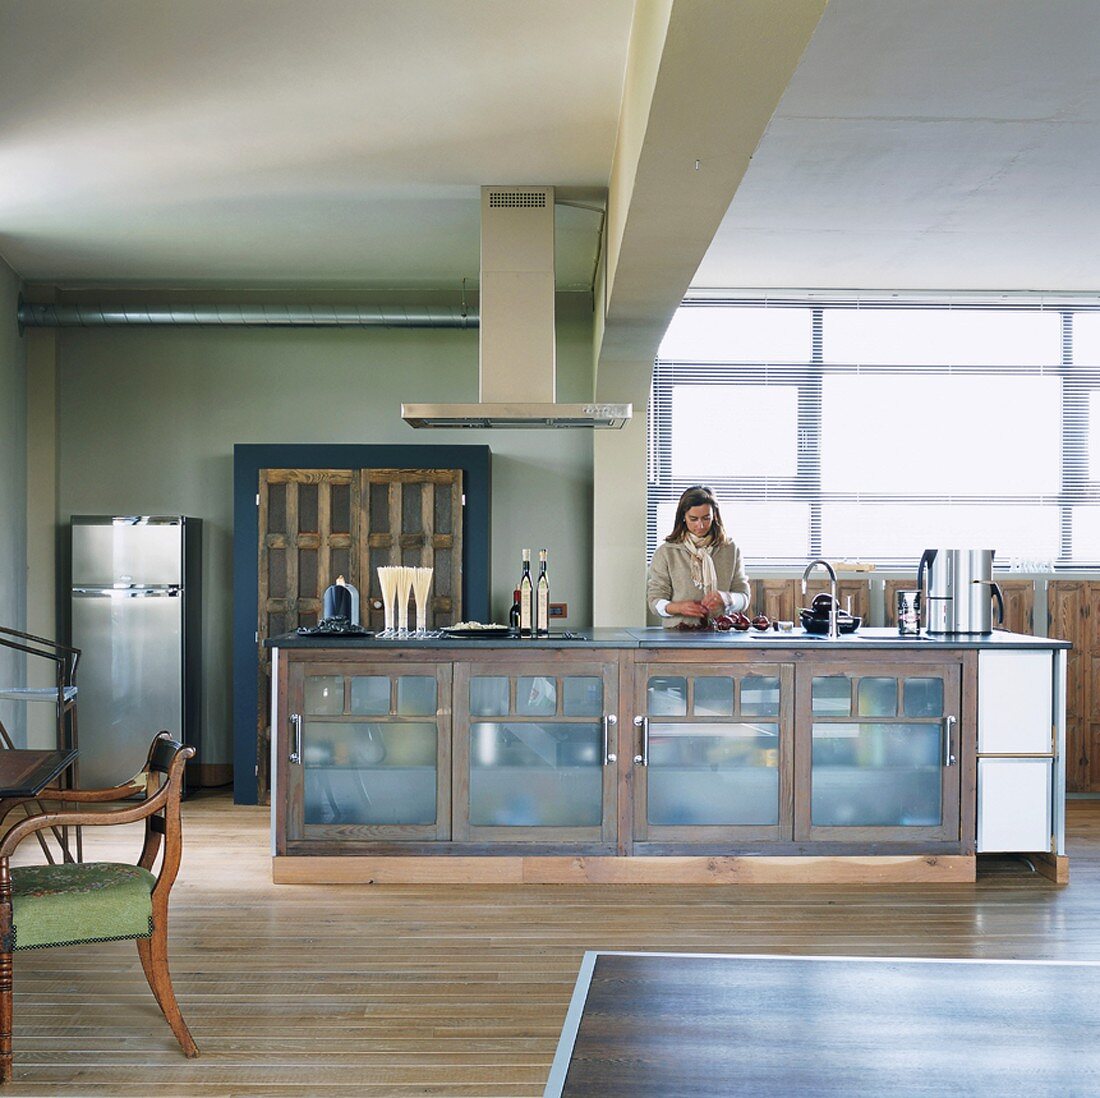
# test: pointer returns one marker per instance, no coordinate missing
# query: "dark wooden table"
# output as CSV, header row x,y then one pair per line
x,y
24,773
703,1026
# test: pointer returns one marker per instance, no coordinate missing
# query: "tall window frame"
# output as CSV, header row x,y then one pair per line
x,y
1077,495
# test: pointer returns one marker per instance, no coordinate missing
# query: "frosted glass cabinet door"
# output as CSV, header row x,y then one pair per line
x,y
368,753
878,753
712,752
532,752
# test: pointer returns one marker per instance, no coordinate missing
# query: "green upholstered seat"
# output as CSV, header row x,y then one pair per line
x,y
55,905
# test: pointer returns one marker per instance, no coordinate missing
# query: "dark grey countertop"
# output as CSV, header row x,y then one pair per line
x,y
868,639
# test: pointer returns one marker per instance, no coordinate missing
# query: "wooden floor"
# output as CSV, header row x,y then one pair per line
x,y
353,990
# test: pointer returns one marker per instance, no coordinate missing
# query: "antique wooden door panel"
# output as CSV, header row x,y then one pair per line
x,y
852,593
1019,596
1067,619
308,536
781,598
776,598
318,524
413,517
1091,686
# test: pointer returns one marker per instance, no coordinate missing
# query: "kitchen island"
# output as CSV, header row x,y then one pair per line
x,y
652,755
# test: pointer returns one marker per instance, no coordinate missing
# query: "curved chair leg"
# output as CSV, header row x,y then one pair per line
x,y
153,952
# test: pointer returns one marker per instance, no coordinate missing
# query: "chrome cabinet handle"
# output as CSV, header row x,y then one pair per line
x,y
643,758
296,746
609,722
948,728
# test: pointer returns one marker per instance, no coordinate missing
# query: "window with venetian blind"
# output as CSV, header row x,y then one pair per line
x,y
870,428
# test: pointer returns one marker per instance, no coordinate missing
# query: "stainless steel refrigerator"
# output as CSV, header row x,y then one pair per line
x,y
135,597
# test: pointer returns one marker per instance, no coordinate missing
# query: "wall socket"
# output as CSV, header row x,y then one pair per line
x,y
559,609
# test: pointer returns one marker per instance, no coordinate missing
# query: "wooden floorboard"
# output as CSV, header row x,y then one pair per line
x,y
416,990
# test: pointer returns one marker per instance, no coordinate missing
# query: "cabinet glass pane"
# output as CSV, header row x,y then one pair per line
x,y
535,775
325,695
713,696
359,773
582,696
924,697
489,696
759,696
416,695
876,775
878,697
666,696
370,694
536,696
725,775
832,696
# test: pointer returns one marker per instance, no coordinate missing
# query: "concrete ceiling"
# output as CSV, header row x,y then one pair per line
x,y
928,144
920,143
335,142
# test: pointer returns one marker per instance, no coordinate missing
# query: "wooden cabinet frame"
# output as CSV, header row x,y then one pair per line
x,y
645,833
948,829
297,829
555,666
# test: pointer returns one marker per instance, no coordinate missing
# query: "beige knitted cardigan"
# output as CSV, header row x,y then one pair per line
x,y
670,577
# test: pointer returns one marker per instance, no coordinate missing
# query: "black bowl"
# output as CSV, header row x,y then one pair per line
x,y
812,623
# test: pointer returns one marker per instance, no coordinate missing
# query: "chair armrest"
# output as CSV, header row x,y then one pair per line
x,y
43,820
115,793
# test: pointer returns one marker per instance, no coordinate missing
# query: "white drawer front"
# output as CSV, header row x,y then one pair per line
x,y
1014,805
1015,702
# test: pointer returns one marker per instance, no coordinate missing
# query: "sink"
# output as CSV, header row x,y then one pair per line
x,y
797,634
894,636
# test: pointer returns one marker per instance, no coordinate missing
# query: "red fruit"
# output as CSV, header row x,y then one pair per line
x,y
762,622
741,622
723,622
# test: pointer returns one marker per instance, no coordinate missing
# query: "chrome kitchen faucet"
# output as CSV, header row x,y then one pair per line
x,y
834,630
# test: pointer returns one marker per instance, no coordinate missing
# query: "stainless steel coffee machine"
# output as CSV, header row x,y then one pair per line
x,y
960,591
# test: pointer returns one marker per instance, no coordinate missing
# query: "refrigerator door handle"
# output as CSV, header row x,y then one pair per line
x,y
128,592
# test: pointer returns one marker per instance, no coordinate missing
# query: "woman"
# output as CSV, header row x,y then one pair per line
x,y
697,571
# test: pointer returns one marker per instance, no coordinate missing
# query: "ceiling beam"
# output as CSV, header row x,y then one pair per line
x,y
703,80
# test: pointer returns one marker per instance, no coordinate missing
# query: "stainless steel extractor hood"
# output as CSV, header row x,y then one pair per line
x,y
516,415
516,351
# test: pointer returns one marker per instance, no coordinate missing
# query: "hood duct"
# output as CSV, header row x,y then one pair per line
x,y
516,349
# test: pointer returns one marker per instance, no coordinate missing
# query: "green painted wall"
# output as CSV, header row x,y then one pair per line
x,y
13,488
149,417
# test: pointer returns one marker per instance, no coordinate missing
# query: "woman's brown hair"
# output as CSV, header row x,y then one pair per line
x,y
696,496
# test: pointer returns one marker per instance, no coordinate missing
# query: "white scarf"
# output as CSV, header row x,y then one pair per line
x,y
703,574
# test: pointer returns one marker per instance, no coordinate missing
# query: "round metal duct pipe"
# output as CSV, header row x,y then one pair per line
x,y
259,316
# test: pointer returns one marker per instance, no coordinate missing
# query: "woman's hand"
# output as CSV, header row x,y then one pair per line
x,y
688,609
713,602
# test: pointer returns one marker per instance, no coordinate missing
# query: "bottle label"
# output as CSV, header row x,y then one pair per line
x,y
542,612
525,611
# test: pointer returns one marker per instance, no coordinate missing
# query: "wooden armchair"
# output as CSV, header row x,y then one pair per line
x,y
70,903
